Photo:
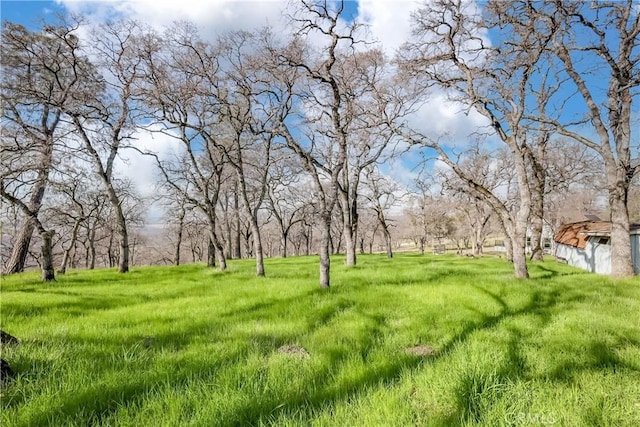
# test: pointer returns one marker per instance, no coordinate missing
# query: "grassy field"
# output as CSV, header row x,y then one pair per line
x,y
192,346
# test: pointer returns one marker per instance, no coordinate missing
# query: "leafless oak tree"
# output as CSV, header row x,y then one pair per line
x,y
43,73
591,43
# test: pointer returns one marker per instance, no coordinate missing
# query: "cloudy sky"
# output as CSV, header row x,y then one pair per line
x,y
388,22
388,19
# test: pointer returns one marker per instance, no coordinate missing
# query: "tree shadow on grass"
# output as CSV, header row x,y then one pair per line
x,y
475,393
102,398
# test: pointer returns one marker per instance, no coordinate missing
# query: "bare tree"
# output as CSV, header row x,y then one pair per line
x,y
286,198
182,90
74,205
106,125
382,194
449,52
475,212
326,80
592,43
42,73
248,146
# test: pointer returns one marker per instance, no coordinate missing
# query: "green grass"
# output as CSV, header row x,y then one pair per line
x,y
192,346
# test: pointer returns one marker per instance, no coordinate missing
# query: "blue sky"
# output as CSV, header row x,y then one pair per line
x,y
28,12
388,20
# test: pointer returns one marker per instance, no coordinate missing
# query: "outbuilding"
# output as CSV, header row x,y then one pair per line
x,y
587,245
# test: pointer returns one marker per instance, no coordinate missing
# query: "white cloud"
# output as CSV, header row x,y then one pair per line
x,y
388,20
142,170
389,23
212,16
449,122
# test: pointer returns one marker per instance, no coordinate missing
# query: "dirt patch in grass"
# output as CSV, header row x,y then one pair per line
x,y
5,372
294,351
420,350
6,338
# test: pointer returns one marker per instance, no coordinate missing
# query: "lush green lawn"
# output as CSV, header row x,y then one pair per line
x,y
191,346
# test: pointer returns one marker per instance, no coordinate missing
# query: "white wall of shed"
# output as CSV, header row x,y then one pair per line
x,y
595,257
635,252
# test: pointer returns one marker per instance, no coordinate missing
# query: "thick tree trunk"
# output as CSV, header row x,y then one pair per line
x,y
519,258
518,236
508,247
536,238
325,252
20,248
621,262
211,254
48,272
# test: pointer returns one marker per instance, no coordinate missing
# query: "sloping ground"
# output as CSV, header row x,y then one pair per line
x,y
416,340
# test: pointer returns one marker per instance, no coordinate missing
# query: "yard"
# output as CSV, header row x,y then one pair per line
x,y
414,340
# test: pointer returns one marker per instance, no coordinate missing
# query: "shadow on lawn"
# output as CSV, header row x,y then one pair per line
x,y
475,391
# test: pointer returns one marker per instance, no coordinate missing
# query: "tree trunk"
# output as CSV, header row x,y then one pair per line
x,y
347,230
92,248
284,244
325,252
123,266
385,231
48,272
537,214
519,257
387,238
621,263
227,231
218,249
478,242
237,245
536,238
176,255
67,252
211,254
110,256
517,235
257,247
308,239
20,249
508,246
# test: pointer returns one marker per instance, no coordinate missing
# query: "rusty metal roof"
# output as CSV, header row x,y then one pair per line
x,y
577,233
